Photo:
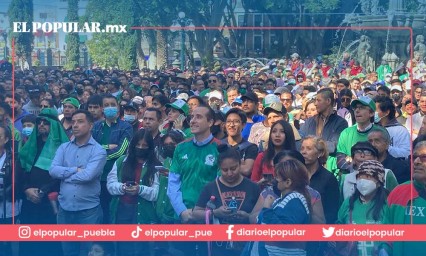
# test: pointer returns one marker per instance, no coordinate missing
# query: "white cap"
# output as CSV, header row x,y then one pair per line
x,y
396,88
215,94
183,96
269,99
137,100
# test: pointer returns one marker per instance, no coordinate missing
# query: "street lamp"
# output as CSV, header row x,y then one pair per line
x,y
181,24
84,49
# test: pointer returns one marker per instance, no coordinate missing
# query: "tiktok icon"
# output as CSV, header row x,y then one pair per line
x,y
135,233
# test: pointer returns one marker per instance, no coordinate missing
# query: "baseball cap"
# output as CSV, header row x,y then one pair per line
x,y
251,96
370,87
179,105
131,105
364,145
281,90
215,94
183,96
269,99
396,88
35,89
366,101
72,101
137,100
275,106
237,101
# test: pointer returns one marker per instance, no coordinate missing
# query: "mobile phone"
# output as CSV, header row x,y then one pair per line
x,y
130,183
268,177
181,117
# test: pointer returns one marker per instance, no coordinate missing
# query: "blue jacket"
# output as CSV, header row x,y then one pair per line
x,y
121,134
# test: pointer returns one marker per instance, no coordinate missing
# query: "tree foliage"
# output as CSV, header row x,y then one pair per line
x,y
73,41
121,47
22,10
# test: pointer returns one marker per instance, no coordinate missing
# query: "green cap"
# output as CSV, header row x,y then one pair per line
x,y
366,101
179,105
72,101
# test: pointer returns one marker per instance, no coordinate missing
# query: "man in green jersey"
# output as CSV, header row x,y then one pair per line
x,y
194,164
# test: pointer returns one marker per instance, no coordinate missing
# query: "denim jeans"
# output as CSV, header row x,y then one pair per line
x,y
89,216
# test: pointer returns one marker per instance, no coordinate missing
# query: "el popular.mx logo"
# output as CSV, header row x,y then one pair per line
x,y
327,232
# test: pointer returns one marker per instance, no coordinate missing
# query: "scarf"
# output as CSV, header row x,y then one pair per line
x,y
56,137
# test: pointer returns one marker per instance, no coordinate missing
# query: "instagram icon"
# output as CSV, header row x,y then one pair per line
x,y
24,232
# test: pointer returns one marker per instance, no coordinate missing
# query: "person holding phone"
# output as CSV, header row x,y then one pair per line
x,y
235,198
134,183
177,112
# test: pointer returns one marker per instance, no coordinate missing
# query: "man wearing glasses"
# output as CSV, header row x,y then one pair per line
x,y
214,85
407,202
361,152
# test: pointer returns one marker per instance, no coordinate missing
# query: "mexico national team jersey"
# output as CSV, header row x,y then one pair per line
x,y
197,166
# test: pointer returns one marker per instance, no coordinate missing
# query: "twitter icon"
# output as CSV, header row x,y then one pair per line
x,y
328,232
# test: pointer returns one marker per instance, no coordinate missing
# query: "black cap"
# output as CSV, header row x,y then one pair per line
x,y
366,146
251,96
35,89
131,105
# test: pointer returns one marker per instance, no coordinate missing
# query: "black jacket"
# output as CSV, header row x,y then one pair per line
x,y
331,132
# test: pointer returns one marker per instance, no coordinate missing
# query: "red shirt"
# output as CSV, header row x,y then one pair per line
x,y
259,169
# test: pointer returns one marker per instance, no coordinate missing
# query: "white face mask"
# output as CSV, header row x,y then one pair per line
x,y
365,187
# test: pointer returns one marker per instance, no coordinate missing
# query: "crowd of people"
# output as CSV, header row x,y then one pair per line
x,y
292,143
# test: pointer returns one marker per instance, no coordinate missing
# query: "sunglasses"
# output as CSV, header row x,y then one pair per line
x,y
345,99
259,83
212,81
43,121
44,106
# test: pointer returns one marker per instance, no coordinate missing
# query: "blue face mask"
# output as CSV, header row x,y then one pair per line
x,y
27,131
129,118
110,112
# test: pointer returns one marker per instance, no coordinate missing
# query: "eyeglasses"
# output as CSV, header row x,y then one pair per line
x,y
345,99
233,122
212,81
422,158
43,121
360,107
364,152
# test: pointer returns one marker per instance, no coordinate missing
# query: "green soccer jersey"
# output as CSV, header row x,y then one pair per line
x,y
361,214
350,136
197,166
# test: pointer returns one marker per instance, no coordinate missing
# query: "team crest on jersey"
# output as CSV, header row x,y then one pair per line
x,y
210,159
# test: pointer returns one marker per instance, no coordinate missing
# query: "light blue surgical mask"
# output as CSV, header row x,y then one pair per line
x,y
27,131
110,112
129,118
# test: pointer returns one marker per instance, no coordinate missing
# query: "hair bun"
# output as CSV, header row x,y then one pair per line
x,y
222,148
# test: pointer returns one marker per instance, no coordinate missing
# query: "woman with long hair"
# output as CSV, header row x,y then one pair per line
x,y
134,183
177,113
280,138
368,205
